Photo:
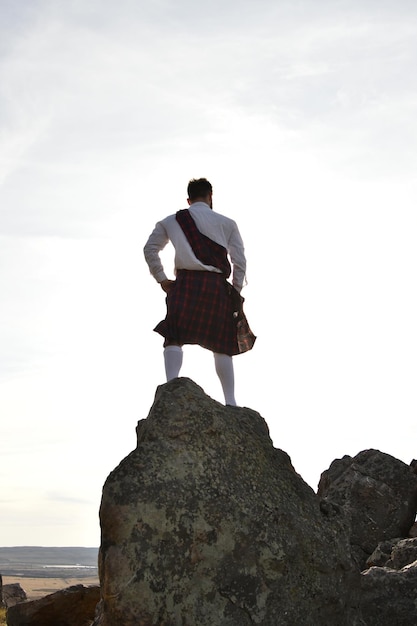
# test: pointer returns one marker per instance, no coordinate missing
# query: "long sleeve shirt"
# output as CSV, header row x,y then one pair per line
x,y
217,227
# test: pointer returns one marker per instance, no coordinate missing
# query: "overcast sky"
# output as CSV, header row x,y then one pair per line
x,y
302,114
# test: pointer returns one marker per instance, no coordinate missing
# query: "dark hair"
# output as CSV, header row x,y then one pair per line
x,y
199,188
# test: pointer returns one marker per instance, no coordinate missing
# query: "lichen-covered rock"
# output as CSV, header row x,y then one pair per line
x,y
205,523
73,606
379,495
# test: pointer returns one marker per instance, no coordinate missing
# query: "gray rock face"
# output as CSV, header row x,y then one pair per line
x,y
379,495
74,606
206,523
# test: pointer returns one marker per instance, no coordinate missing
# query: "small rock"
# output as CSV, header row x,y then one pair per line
x,y
13,594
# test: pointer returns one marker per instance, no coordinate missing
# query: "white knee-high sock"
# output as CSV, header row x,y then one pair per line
x,y
173,361
225,371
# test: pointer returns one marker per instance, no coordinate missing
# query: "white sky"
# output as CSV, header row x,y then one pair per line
x,y
302,113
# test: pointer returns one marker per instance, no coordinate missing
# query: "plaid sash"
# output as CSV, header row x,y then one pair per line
x,y
206,250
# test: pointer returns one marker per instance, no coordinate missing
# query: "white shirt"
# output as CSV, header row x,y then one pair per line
x,y
219,228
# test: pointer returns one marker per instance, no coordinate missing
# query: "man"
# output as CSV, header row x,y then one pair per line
x,y
202,307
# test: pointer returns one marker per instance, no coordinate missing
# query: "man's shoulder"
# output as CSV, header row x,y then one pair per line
x,y
201,208
202,212
224,218
168,219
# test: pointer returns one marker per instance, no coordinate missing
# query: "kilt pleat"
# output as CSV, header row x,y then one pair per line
x,y
200,310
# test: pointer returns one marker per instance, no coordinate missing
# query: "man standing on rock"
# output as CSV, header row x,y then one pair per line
x,y
202,306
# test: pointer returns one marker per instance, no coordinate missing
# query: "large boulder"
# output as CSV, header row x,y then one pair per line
x,y
74,606
379,495
206,523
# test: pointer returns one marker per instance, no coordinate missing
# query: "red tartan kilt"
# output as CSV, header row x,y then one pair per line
x,y
200,311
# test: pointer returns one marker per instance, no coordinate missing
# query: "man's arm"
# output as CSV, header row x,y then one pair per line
x,y
156,242
237,256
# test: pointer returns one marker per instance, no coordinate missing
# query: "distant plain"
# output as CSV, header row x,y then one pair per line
x,y
41,571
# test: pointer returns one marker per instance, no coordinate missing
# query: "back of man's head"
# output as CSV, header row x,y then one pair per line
x,y
199,188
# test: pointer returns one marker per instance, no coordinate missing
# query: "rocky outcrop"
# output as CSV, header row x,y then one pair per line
x,y
74,606
379,495
206,523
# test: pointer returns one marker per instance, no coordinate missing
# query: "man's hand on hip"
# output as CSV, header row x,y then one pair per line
x,y
166,285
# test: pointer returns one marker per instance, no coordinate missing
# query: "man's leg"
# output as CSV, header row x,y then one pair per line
x,y
224,370
173,361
